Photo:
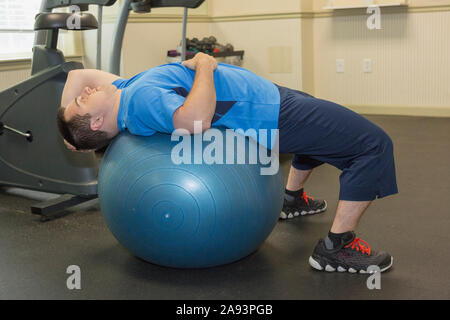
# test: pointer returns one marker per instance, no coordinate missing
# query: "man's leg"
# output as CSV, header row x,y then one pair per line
x,y
333,134
297,178
348,214
296,201
367,176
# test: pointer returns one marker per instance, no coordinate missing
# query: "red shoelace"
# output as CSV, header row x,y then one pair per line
x,y
306,197
356,244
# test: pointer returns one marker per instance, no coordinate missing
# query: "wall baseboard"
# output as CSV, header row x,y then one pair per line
x,y
15,64
416,111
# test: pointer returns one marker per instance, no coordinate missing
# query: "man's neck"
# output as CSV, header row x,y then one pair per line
x,y
112,117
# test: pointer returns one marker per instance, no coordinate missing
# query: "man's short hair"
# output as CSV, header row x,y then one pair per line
x,y
77,131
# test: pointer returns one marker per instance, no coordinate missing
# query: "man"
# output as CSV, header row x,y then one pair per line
x,y
96,106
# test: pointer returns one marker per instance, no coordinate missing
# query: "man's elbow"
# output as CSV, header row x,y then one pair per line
x,y
193,127
192,123
206,125
199,125
74,73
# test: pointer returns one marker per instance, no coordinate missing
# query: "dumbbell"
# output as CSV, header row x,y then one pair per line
x,y
212,40
229,48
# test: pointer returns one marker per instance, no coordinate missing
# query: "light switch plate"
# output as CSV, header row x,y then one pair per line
x,y
367,65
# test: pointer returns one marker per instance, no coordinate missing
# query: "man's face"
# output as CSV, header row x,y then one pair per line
x,y
94,101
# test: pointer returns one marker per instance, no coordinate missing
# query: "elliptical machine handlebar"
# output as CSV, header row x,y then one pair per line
x,y
136,4
140,6
83,4
143,6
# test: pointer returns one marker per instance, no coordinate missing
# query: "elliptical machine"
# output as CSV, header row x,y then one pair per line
x,y
32,153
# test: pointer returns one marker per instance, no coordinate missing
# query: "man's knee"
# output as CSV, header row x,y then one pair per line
x,y
384,146
301,162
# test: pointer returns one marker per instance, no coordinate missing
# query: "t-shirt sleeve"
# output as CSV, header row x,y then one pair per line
x,y
156,107
120,83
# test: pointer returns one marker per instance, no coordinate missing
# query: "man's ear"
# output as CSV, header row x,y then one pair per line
x,y
97,123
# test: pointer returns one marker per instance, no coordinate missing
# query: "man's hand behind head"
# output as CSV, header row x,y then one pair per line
x,y
72,148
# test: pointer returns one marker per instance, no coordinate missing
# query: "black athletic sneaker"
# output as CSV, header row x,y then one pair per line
x,y
302,205
353,255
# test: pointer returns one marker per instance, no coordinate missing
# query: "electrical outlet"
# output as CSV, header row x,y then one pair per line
x,y
367,65
340,65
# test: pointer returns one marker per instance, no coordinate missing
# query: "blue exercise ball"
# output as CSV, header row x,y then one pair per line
x,y
185,215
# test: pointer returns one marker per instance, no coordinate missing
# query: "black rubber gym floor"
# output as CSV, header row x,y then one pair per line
x,y
413,226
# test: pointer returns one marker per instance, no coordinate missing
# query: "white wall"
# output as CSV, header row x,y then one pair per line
x,y
410,58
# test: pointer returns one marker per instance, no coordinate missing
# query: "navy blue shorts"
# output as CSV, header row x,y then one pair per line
x,y
318,131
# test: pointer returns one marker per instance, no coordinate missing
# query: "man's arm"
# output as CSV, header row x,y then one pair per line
x,y
78,79
200,104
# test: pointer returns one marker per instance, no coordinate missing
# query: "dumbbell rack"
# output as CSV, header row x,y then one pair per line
x,y
239,53
208,45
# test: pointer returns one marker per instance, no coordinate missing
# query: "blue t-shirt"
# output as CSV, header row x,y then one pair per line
x,y
244,100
